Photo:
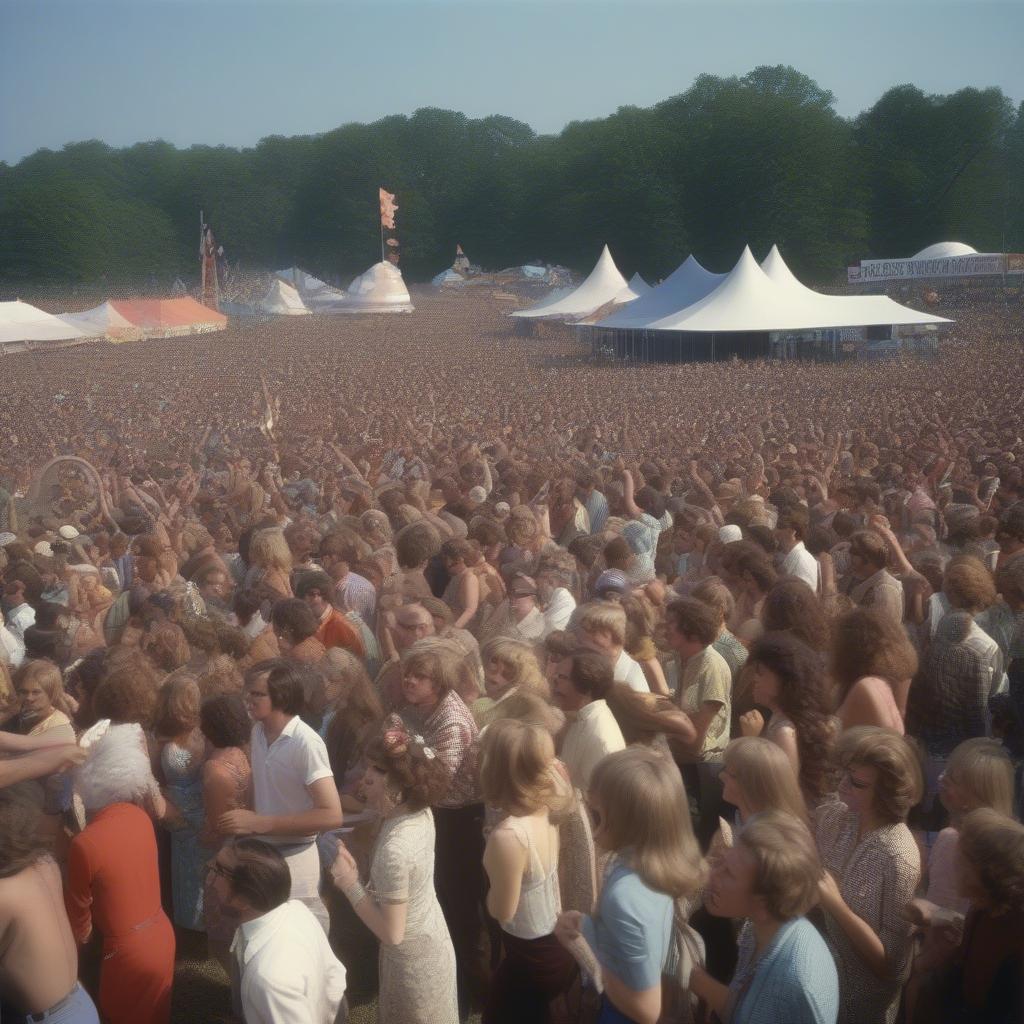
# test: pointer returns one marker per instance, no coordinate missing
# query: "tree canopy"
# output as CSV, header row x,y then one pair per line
x,y
755,159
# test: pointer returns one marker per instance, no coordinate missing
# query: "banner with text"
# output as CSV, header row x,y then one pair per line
x,y
980,265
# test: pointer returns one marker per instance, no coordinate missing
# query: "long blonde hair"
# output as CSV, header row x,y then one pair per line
x,y
983,768
516,760
644,813
519,661
269,550
765,774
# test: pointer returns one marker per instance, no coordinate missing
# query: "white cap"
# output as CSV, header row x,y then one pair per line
x,y
68,532
43,548
730,533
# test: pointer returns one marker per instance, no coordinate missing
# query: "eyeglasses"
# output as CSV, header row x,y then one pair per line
x,y
216,868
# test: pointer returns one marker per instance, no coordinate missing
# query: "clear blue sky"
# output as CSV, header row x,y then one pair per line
x,y
233,71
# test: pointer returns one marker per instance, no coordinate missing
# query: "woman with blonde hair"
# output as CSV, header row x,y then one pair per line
x,y
271,561
785,973
757,776
509,667
640,816
650,719
181,752
979,774
521,861
872,867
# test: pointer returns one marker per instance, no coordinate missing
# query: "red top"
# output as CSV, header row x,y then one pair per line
x,y
113,877
337,631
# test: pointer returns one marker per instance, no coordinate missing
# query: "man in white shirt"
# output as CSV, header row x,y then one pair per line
x,y
294,794
797,561
601,626
554,576
283,969
580,684
19,613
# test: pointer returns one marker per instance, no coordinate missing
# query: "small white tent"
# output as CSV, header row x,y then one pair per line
x,y
601,287
379,290
449,277
20,323
283,300
316,295
103,321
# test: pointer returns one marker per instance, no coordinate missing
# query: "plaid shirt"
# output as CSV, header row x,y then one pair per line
x,y
949,697
452,732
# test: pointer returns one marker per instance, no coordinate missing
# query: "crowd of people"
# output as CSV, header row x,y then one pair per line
x,y
591,693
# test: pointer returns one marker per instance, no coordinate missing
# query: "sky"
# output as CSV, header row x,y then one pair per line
x,y
234,71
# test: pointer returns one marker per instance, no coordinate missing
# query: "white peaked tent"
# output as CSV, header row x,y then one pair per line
x,y
316,295
283,300
601,287
636,287
688,283
20,323
749,300
103,321
857,310
379,290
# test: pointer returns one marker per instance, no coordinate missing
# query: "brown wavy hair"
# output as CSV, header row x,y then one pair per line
x,y
804,699
792,607
20,846
421,779
994,846
867,642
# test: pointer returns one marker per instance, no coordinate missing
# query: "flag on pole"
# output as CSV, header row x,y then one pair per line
x,y
388,207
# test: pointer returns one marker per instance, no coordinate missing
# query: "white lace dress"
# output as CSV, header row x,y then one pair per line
x,y
417,977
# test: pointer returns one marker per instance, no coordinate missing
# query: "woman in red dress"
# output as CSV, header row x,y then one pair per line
x,y
113,882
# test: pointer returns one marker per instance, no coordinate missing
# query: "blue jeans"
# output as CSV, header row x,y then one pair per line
x,y
75,1008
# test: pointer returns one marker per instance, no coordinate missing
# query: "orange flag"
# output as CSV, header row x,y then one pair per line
x,y
387,209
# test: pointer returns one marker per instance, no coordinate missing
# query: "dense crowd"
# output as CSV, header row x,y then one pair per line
x,y
625,693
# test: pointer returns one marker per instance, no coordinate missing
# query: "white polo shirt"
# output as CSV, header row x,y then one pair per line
x,y
282,771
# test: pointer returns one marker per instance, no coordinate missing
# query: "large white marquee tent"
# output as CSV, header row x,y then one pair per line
x,y
703,314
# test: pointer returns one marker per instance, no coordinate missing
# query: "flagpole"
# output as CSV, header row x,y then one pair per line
x,y
381,229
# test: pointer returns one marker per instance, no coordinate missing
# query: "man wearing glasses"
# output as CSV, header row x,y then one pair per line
x,y
294,794
283,970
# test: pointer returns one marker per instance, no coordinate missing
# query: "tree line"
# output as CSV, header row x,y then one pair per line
x,y
755,159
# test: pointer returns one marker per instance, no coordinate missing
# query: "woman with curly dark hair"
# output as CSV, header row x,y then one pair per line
x,y
403,778
786,678
792,607
872,664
